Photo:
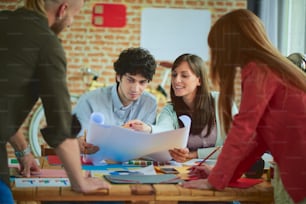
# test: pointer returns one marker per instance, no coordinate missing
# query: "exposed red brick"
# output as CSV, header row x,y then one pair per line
x,y
229,3
220,3
211,3
241,4
222,10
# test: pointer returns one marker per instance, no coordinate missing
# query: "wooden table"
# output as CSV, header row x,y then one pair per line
x,y
157,193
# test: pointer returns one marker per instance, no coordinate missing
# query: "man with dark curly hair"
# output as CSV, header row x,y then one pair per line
x,y
124,101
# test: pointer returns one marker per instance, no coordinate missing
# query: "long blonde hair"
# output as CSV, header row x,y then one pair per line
x,y
236,39
40,6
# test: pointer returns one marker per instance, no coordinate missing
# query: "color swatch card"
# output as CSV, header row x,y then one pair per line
x,y
41,182
140,162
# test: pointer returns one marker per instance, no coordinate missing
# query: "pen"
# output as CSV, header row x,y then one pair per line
x,y
209,155
85,150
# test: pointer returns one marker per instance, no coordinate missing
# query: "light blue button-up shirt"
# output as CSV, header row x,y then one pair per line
x,y
107,101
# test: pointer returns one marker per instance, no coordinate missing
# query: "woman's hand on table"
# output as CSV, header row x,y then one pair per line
x,y
198,184
198,177
200,171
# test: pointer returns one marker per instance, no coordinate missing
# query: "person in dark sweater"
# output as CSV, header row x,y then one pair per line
x,y
33,66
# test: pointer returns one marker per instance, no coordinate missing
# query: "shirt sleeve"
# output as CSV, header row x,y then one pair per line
x,y
241,147
166,120
51,74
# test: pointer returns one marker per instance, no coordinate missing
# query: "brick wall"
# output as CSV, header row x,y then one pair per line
x,y
97,48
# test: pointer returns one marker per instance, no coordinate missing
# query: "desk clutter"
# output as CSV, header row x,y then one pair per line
x,y
54,160
131,183
130,172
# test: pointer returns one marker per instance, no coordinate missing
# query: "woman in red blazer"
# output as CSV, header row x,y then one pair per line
x,y
272,112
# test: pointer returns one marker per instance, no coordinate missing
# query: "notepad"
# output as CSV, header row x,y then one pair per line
x,y
144,179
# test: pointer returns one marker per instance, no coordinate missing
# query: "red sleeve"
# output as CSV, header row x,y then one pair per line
x,y
242,146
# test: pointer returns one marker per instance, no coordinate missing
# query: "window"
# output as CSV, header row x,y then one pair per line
x,y
285,22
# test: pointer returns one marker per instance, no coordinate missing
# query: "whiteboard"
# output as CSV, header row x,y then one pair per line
x,y
168,33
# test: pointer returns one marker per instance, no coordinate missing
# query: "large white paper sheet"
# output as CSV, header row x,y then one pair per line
x,y
122,144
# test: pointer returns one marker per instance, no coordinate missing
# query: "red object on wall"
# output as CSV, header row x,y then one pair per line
x,y
109,15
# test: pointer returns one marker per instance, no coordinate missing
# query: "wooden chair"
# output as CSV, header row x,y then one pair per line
x,y
46,150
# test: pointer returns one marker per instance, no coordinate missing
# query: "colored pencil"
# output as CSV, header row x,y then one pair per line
x,y
209,155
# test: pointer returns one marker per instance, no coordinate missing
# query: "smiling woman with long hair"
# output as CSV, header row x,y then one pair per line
x,y
190,95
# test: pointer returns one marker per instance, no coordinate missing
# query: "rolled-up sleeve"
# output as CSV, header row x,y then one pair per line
x,y
54,94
